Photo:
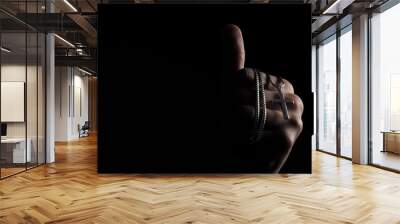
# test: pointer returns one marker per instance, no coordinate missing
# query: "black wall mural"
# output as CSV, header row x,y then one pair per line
x,y
194,88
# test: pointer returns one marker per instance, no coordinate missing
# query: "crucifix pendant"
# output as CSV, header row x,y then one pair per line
x,y
283,101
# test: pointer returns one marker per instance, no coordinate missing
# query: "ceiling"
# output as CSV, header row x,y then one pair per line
x,y
75,21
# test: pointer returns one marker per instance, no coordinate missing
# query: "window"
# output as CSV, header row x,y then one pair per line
x,y
22,77
385,88
326,137
334,106
346,93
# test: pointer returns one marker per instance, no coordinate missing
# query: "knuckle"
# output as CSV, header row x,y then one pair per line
x,y
297,103
289,139
296,122
249,74
288,86
291,131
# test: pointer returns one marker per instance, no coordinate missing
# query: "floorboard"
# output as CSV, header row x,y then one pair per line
x,y
71,191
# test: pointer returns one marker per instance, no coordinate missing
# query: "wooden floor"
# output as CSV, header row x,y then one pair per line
x,y
70,191
5,172
10,171
387,159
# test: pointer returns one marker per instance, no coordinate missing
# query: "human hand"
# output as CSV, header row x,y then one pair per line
x,y
282,125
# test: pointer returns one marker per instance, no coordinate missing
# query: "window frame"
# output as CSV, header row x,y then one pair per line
x,y
334,37
381,9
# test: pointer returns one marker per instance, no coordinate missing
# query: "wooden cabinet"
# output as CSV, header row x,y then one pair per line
x,y
391,141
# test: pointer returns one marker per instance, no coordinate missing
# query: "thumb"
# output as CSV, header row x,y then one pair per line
x,y
233,48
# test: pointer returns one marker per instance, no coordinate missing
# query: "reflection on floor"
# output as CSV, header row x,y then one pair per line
x,y
71,191
11,169
386,159
346,152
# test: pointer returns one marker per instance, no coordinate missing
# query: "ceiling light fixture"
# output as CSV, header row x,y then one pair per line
x,y
5,50
326,11
65,41
70,5
338,6
79,51
84,71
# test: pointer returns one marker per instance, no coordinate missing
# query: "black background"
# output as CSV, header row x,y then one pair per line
x,y
158,69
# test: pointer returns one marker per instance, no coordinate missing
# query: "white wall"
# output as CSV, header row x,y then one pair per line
x,y
14,72
62,81
80,88
33,127
71,102
17,72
